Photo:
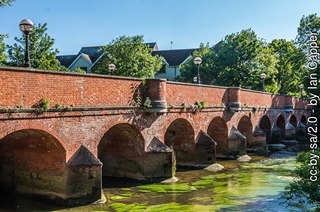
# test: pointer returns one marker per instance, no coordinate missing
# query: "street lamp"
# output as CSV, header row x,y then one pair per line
x,y
197,61
112,67
263,77
26,26
301,86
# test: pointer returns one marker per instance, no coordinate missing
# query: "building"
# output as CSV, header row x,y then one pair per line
x,y
172,59
89,56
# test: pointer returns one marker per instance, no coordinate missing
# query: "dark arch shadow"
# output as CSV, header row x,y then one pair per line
x,y
218,131
304,120
293,121
32,162
265,125
121,151
180,137
281,123
245,127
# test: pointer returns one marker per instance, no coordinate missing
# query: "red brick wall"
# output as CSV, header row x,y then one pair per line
x,y
28,87
178,93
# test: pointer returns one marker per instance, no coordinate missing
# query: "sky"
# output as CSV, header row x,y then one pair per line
x,y
187,23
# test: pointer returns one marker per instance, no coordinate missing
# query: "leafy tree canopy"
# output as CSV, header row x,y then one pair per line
x,y
131,57
4,3
308,24
3,55
290,67
42,53
238,60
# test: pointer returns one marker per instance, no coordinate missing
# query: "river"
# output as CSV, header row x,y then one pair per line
x,y
254,186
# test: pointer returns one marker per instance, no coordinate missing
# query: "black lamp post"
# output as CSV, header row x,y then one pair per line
x,y
112,67
26,26
263,77
197,61
301,86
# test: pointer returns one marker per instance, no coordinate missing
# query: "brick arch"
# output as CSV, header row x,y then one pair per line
x,y
245,127
218,131
25,155
281,123
304,120
293,120
33,126
180,137
121,150
265,125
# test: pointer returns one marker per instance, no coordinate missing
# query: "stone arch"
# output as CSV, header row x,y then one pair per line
x,y
245,127
218,131
304,120
265,125
121,151
180,136
281,123
293,121
32,161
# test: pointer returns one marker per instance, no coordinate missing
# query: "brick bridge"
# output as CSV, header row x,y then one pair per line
x,y
94,127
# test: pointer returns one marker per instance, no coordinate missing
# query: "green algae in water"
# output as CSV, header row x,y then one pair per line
x,y
121,207
205,199
172,206
160,188
278,165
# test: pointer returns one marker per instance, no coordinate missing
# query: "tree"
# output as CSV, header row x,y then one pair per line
x,y
290,68
42,53
189,70
3,55
4,3
303,187
238,60
131,57
308,24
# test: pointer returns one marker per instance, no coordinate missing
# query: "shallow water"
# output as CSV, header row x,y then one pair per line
x,y
253,186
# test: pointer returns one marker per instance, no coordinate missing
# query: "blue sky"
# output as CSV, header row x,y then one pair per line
x,y
77,23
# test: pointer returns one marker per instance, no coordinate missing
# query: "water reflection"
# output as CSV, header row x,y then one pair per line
x,y
255,186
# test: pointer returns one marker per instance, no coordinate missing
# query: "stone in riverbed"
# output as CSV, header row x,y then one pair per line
x,y
276,146
170,180
214,167
244,158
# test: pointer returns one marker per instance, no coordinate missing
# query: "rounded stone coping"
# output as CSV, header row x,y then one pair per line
x,y
38,71
197,85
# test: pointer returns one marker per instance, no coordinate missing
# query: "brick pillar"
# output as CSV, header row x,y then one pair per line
x,y
156,91
234,97
288,106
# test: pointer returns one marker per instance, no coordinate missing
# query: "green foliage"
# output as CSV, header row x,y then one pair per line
x,y
4,3
131,56
240,58
303,186
308,24
80,70
42,105
290,67
147,103
42,53
3,55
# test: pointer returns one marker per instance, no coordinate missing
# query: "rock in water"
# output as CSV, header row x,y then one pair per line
x,y
214,167
170,180
244,158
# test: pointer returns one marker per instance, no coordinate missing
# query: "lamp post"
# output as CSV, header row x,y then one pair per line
x,y
301,86
263,77
26,26
112,67
197,61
